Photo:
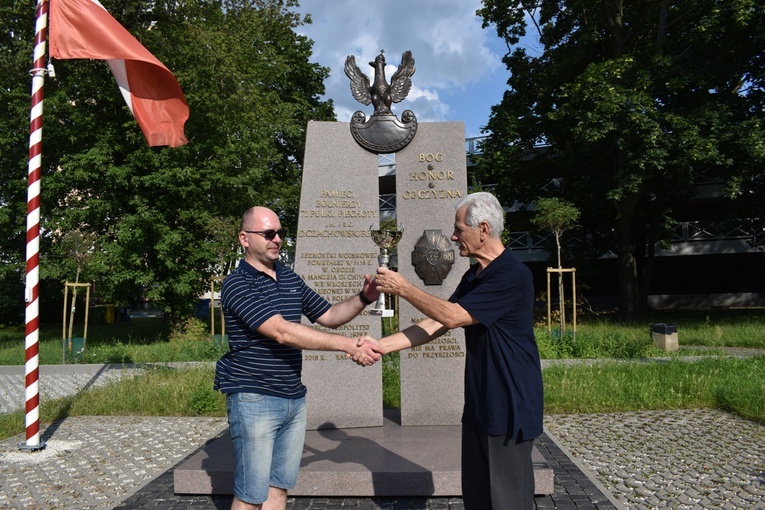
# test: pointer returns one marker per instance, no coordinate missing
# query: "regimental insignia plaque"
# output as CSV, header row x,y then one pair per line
x,y
432,257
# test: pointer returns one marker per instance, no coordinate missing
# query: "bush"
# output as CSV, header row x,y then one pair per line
x,y
192,330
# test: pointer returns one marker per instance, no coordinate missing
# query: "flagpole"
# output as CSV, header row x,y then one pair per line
x,y
32,290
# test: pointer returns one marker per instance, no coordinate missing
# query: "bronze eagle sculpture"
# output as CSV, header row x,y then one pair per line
x,y
380,93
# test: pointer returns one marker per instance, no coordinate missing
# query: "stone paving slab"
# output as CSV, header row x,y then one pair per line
x,y
680,459
93,463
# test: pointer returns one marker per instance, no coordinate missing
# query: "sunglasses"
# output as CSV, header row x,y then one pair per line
x,y
268,235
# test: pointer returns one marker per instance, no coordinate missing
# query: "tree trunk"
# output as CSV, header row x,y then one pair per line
x,y
561,300
74,305
645,269
629,284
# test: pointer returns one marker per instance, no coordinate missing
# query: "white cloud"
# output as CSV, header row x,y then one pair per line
x,y
453,56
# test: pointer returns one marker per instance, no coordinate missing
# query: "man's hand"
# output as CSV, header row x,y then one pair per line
x,y
367,351
369,289
390,282
360,341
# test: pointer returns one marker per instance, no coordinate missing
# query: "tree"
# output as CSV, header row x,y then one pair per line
x,y
164,220
557,216
628,104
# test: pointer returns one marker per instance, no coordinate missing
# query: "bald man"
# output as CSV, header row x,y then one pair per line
x,y
262,303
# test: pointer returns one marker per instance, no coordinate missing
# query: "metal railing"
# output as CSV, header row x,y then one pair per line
x,y
685,232
472,145
388,202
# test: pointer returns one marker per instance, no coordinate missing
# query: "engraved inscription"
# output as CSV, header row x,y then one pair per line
x,y
445,346
335,212
432,176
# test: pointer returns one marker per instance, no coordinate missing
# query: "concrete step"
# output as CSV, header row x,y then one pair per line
x,y
376,461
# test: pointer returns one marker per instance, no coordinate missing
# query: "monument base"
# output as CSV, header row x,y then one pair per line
x,y
372,461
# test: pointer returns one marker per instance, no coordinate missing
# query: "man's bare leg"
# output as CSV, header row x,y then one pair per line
x,y
238,504
277,500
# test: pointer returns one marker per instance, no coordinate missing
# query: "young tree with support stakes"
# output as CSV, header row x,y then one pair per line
x,y
557,216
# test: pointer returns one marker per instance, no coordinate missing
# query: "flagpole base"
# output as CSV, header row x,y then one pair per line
x,y
32,448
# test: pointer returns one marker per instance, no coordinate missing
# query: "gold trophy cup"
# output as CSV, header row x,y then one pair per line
x,y
385,239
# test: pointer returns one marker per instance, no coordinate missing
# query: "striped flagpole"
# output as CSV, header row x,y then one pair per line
x,y
32,291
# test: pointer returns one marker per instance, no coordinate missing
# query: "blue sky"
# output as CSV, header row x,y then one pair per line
x,y
459,74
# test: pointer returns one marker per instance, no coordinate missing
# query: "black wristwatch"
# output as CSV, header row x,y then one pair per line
x,y
364,298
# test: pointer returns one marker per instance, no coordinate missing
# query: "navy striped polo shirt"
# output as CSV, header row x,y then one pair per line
x,y
256,363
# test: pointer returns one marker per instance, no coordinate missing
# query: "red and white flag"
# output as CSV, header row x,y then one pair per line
x,y
84,29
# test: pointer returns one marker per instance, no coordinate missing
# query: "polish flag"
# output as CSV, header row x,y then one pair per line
x,y
84,29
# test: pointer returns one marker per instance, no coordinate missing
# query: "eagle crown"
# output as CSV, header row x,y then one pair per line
x,y
380,94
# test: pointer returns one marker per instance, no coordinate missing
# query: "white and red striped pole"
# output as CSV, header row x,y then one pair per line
x,y
32,291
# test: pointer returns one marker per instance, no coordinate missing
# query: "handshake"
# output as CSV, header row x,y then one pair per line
x,y
366,352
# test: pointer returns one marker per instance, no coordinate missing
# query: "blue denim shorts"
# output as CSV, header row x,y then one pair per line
x,y
268,435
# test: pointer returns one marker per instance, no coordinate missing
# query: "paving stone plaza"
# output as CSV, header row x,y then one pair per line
x,y
682,459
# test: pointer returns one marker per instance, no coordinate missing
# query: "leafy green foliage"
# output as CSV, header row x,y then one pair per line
x,y
557,216
16,37
627,105
162,221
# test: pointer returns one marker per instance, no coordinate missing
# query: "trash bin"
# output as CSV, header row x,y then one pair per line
x,y
665,336
125,315
109,314
97,314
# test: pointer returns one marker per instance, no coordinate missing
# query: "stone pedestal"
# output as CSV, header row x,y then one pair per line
x,y
379,461
664,342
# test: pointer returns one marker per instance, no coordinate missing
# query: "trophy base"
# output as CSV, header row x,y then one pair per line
x,y
381,312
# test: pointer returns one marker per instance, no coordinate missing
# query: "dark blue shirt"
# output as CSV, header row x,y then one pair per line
x,y
256,363
503,375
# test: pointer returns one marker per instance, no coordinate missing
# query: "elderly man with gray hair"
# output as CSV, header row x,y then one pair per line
x,y
503,376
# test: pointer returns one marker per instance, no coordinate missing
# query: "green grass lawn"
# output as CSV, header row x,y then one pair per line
x,y
142,340
734,385
719,381
150,339
603,337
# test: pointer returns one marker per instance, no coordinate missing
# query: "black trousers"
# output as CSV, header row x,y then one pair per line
x,y
497,472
